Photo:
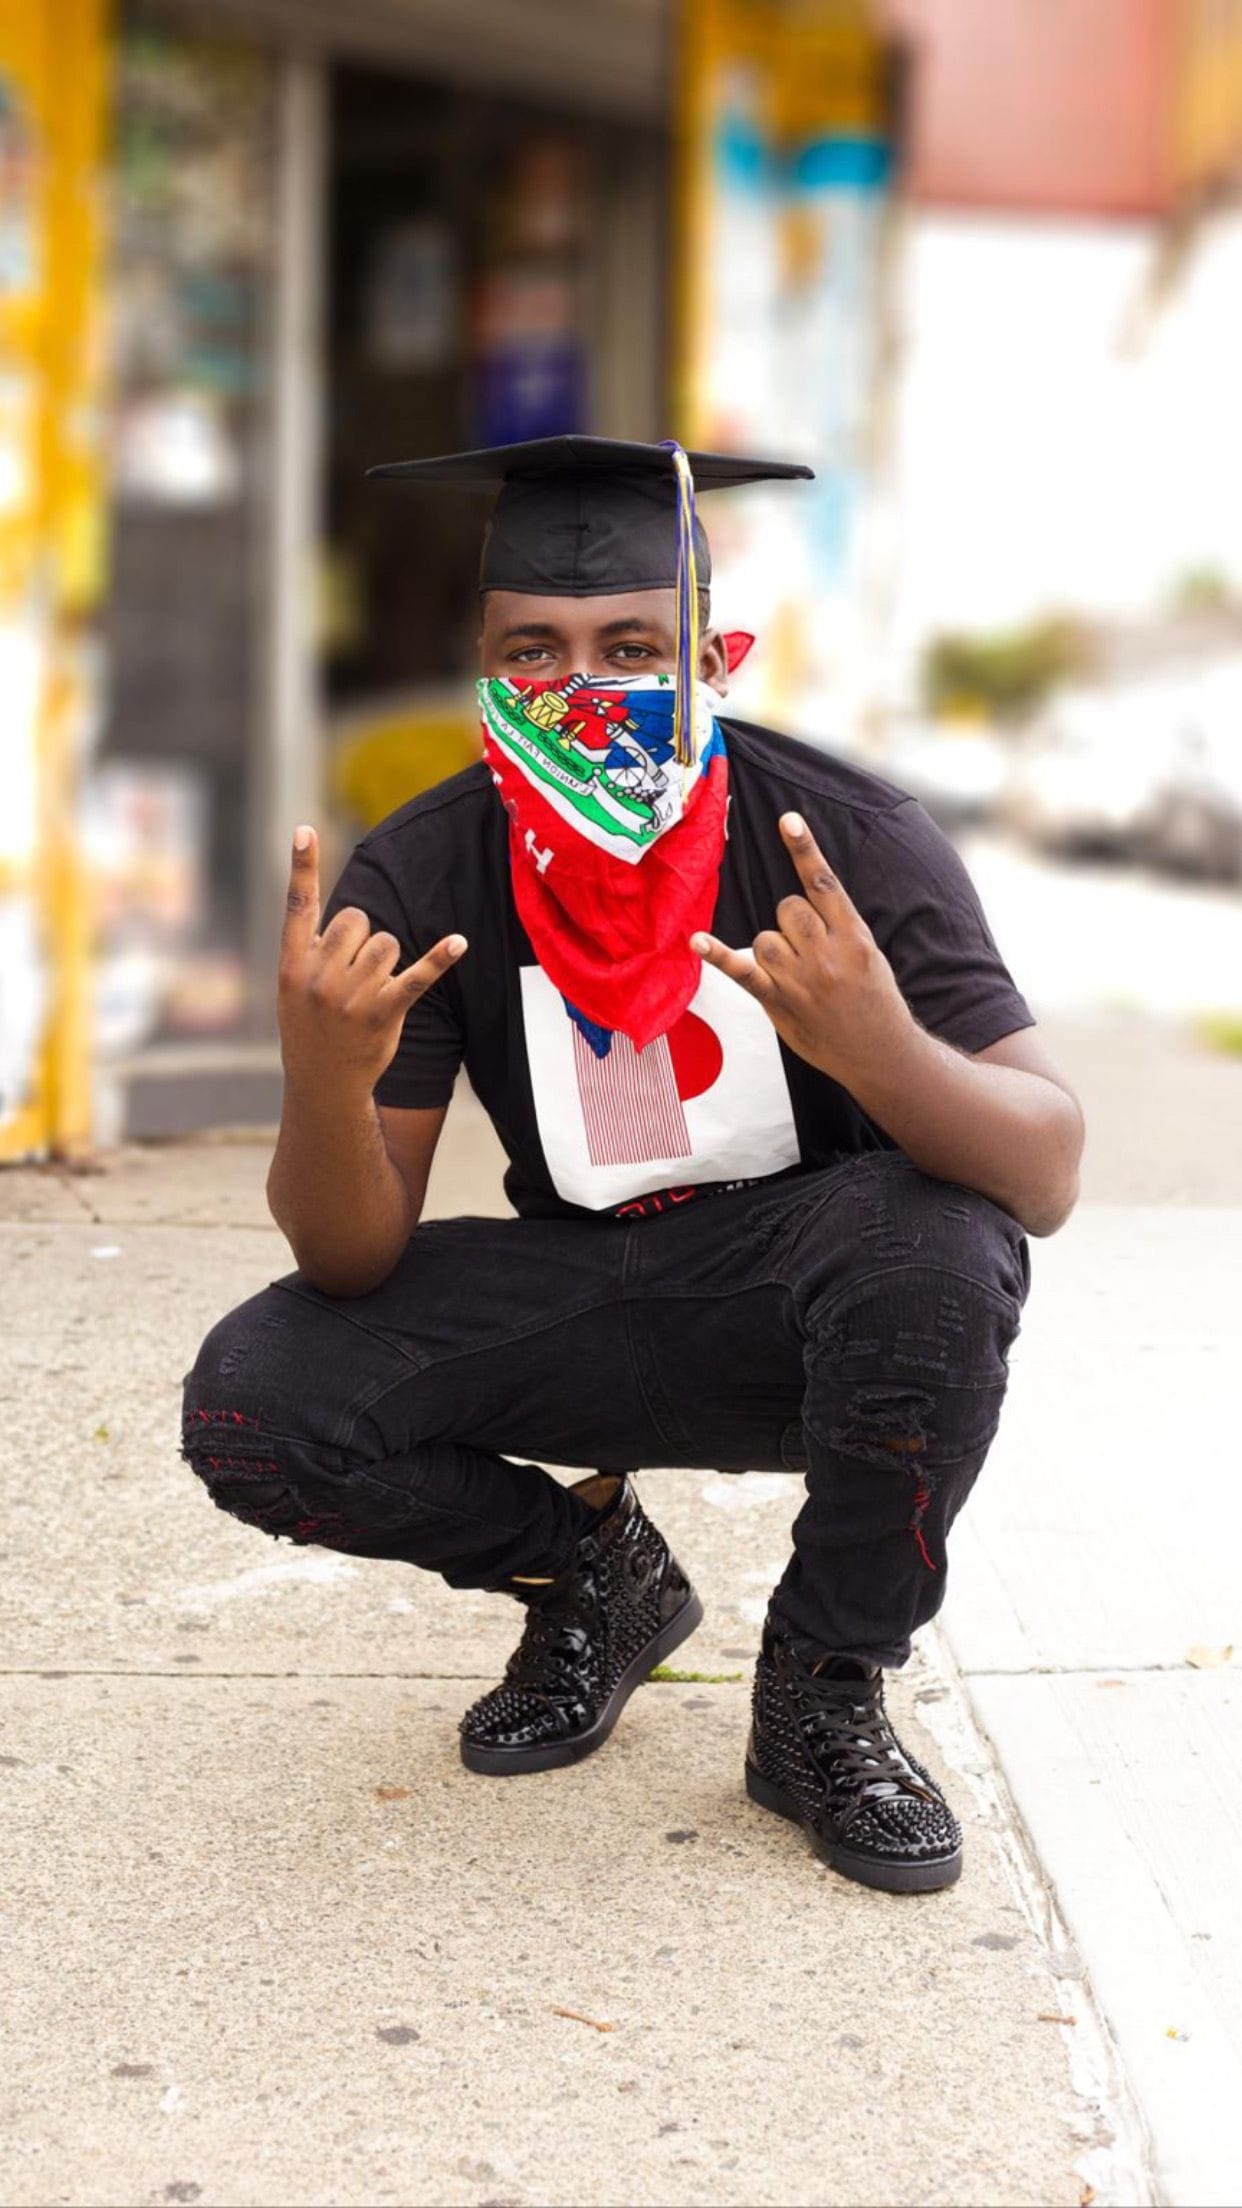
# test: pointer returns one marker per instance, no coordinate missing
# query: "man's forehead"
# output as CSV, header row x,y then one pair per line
x,y
631,609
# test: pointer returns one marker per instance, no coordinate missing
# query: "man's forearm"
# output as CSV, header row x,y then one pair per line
x,y
1012,1135
335,1192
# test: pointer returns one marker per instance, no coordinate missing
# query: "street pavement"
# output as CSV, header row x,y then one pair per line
x,y
270,1943
1093,935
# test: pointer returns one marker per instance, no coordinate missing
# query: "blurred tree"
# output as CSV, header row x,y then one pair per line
x,y
1204,589
1003,676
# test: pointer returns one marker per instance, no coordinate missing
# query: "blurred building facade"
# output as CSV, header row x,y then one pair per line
x,y
1066,432
336,237
900,238
339,238
331,237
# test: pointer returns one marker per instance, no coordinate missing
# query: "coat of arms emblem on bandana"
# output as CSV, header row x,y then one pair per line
x,y
602,753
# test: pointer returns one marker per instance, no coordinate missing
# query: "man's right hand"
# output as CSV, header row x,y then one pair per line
x,y
340,1006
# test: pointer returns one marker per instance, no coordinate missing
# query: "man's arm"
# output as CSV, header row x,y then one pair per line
x,y
347,1182
1003,1121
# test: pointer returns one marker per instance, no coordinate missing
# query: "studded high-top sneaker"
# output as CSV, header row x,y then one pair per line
x,y
822,1753
592,1635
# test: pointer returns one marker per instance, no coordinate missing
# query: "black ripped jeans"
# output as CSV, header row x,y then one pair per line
x,y
851,1324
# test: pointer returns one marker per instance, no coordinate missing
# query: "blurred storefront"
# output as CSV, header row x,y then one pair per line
x,y
337,240
337,237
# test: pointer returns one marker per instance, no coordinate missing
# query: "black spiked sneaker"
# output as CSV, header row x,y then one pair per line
x,y
823,1754
592,1635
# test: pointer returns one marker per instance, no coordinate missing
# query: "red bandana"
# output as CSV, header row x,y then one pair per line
x,y
610,931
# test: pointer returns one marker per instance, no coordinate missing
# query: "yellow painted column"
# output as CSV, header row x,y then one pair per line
x,y
53,71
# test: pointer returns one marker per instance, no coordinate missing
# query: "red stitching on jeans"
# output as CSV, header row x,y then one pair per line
x,y
242,1464
922,1498
221,1418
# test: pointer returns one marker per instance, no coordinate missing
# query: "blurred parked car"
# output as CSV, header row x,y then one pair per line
x,y
1091,772
1196,824
957,772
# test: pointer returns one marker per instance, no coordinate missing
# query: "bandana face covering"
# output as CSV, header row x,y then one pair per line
x,y
616,834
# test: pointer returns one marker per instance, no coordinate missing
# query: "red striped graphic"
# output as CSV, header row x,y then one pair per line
x,y
630,1106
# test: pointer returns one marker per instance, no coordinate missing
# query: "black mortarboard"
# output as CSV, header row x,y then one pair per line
x,y
582,517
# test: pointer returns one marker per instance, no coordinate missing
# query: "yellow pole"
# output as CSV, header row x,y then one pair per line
x,y
75,268
53,65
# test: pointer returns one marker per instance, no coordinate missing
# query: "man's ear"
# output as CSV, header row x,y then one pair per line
x,y
714,661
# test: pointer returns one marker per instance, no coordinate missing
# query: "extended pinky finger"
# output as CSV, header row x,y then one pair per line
x,y
740,966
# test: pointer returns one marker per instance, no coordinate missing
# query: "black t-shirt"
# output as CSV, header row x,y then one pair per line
x,y
720,1101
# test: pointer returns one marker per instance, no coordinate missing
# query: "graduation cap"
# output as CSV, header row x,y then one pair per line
x,y
582,517
589,517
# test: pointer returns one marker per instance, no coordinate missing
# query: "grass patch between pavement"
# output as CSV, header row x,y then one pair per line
x,y
1221,1031
665,1676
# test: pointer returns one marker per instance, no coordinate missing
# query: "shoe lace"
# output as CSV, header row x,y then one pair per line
x,y
554,1641
848,1733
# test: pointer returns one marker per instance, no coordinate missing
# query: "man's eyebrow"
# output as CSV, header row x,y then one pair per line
x,y
627,625
545,631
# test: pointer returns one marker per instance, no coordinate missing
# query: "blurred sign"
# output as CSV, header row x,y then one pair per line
x,y
410,310
144,837
531,336
143,832
174,449
192,262
787,169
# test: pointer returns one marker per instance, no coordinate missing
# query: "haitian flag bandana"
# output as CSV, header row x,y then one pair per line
x,y
615,841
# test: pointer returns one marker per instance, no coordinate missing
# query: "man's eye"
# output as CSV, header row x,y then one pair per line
x,y
632,651
528,654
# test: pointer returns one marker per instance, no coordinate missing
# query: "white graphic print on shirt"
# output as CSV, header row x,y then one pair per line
x,y
706,1102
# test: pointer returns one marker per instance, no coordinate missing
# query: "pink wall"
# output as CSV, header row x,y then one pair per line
x,y
1054,105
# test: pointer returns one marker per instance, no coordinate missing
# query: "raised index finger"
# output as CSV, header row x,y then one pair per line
x,y
822,888
302,897
404,989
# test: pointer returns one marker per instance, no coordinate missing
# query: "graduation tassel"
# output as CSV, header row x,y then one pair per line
x,y
687,608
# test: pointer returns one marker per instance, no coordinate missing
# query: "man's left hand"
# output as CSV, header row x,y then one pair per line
x,y
820,975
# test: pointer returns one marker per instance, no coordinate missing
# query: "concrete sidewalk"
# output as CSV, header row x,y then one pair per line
x,y
271,1944
1097,1619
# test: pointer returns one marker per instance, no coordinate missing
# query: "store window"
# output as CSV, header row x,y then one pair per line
x,y
465,283
192,262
